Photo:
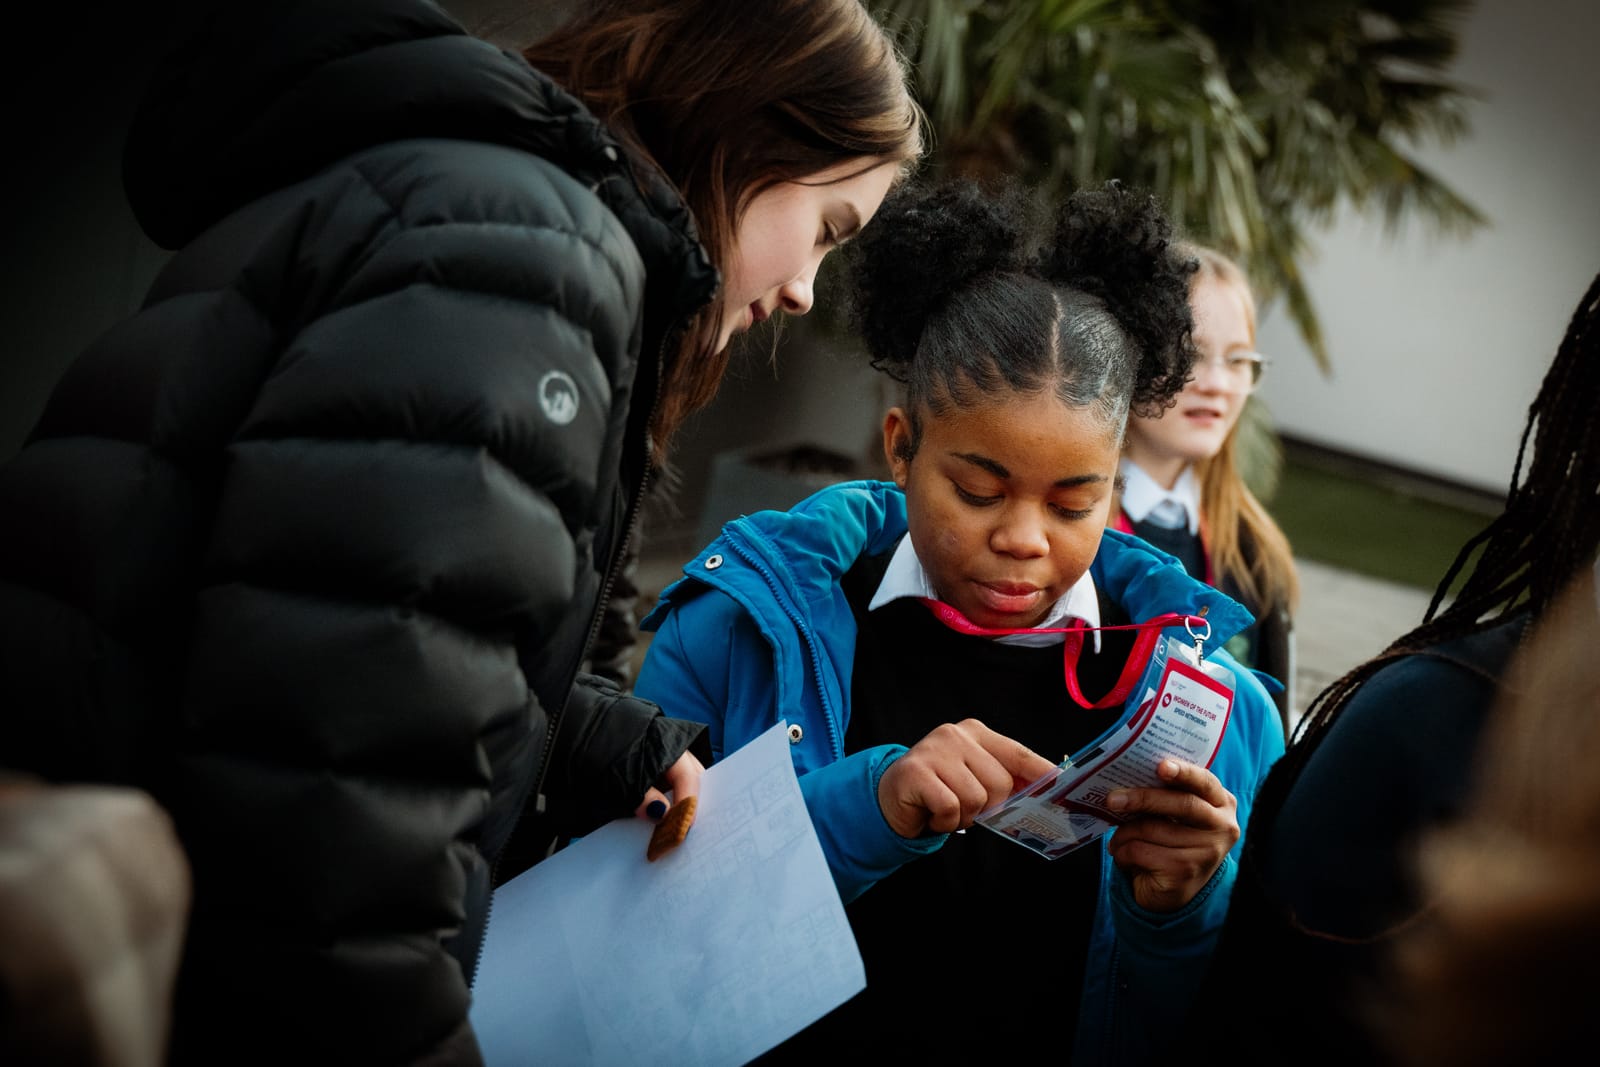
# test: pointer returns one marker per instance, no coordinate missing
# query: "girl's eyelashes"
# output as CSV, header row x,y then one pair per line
x,y
973,498
1061,511
830,235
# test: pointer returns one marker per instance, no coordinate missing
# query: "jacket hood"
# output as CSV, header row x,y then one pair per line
x,y
257,97
1150,582
802,552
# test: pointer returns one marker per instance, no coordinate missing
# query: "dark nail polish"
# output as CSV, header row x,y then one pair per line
x,y
656,808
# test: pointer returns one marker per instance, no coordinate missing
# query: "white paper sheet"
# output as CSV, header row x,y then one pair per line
x,y
711,955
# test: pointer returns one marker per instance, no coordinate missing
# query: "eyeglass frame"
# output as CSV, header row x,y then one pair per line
x,y
1256,361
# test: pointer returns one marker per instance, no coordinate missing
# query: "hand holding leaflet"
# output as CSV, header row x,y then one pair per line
x,y
1168,845
1179,715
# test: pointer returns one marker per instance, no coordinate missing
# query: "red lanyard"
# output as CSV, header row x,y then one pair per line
x,y
1072,646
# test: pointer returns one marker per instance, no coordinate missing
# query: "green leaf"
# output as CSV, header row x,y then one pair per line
x,y
1253,120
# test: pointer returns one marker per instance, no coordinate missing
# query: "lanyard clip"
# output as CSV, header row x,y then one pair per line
x,y
1200,637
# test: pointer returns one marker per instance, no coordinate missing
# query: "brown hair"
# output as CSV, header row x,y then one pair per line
x,y
1233,515
729,98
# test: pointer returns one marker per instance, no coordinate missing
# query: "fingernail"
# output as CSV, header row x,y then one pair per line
x,y
1169,768
656,808
1117,801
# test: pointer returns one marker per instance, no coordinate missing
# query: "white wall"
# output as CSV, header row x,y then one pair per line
x,y
1438,345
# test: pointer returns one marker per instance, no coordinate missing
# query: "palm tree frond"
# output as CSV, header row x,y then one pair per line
x,y
1254,122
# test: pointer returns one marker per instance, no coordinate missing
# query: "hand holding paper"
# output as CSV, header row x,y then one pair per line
x,y
672,829
1172,839
682,779
707,957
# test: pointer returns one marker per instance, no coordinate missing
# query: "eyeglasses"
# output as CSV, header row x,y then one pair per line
x,y
1241,370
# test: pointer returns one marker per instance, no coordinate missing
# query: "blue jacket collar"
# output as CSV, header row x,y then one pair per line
x,y
799,555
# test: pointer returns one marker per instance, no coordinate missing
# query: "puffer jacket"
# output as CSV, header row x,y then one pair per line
x,y
312,545
759,629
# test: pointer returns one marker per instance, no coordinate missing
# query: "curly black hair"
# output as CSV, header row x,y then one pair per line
x,y
954,298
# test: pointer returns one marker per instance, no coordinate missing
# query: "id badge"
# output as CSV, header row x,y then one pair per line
x,y
1181,712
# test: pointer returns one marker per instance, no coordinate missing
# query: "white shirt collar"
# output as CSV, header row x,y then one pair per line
x,y
1141,493
905,577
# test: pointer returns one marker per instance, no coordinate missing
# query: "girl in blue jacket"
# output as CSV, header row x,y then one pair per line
x,y
1020,368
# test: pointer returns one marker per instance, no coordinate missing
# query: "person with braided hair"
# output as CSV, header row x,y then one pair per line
x,y
1020,367
1514,885
1385,754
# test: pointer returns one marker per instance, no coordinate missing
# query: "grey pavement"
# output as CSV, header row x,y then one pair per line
x,y
1344,617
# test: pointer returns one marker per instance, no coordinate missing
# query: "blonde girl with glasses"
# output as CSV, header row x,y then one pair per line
x,y
1182,490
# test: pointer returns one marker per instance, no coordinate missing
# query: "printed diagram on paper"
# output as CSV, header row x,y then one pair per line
x,y
711,955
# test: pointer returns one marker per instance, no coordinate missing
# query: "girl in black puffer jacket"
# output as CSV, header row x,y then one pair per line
x,y
311,547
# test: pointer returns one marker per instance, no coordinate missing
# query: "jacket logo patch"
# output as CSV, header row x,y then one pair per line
x,y
558,395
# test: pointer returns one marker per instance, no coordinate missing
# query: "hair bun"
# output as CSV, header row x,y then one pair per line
x,y
926,243
1117,245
